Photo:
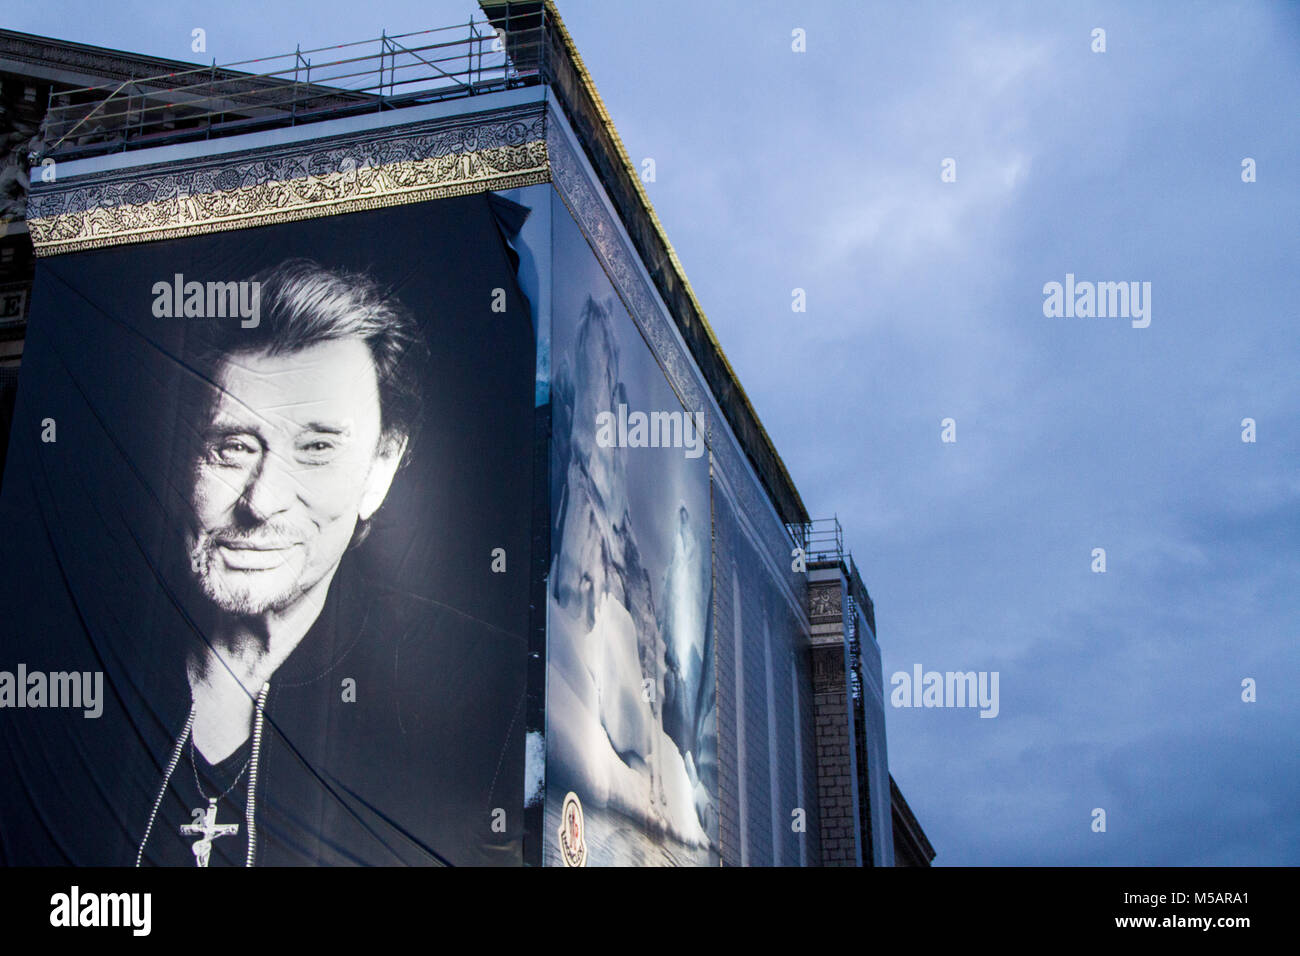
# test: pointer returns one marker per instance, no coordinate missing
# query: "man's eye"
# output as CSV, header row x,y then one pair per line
x,y
232,451
317,450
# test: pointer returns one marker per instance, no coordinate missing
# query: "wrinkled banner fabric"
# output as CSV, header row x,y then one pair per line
x,y
265,571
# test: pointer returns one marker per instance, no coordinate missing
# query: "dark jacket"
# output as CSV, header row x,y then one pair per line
x,y
425,767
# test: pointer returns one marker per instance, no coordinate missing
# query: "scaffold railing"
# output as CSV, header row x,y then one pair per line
x,y
821,539
380,73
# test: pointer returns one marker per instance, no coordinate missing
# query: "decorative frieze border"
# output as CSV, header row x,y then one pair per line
x,y
351,172
824,603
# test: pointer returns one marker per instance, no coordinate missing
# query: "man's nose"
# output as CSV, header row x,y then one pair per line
x,y
271,488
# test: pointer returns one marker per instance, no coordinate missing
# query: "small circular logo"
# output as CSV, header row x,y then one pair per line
x,y
573,841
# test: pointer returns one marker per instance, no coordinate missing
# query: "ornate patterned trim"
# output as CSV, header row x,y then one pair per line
x,y
432,160
824,603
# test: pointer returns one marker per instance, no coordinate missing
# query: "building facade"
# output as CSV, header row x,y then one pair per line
x,y
698,678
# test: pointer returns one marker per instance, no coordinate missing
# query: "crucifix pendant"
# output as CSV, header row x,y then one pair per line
x,y
206,827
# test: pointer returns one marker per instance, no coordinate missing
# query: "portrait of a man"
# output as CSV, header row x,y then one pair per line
x,y
310,415
303,701
296,549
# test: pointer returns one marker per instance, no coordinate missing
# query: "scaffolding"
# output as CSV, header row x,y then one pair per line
x,y
822,541
381,73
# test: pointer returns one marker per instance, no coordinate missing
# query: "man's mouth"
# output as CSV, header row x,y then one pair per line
x,y
252,556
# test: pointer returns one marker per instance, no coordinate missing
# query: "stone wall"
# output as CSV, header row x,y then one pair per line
x,y
838,811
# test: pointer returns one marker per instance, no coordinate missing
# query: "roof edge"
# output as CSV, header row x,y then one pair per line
x,y
749,428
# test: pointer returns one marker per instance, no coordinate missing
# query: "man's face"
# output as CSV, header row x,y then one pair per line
x,y
292,458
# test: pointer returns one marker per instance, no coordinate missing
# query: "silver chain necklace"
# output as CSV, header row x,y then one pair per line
x,y
204,824
194,766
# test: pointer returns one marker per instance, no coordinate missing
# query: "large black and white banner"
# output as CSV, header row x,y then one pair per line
x,y
266,526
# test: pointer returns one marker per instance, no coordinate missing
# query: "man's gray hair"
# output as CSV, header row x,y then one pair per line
x,y
303,304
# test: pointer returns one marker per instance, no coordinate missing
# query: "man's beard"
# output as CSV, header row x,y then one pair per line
x,y
251,592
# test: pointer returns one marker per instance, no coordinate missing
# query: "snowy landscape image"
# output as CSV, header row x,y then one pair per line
x,y
631,726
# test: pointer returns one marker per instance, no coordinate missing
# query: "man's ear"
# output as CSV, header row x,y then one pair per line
x,y
392,448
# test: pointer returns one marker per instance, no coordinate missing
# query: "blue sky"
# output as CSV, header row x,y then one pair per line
x,y
821,170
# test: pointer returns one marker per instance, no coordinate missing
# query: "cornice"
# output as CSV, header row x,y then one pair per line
x,y
434,159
